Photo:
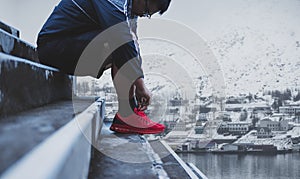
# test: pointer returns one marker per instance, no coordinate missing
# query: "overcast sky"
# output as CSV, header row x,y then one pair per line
x,y
208,17
29,15
202,15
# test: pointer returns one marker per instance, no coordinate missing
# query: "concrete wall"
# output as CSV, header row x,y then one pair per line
x,y
24,83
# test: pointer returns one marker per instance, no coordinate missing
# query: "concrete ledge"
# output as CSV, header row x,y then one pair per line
x,y
133,156
14,46
121,156
25,85
9,29
65,154
197,171
21,132
173,164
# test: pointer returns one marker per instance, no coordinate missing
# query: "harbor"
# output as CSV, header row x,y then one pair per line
x,y
231,125
250,127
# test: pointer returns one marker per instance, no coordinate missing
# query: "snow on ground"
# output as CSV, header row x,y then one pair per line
x,y
280,141
295,132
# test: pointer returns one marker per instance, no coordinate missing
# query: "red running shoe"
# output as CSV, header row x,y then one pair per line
x,y
138,123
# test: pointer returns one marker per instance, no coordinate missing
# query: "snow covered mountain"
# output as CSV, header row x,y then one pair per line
x,y
256,44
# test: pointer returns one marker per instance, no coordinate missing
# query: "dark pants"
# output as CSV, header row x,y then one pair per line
x,y
64,52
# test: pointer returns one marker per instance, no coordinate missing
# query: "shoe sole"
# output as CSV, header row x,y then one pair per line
x,y
121,129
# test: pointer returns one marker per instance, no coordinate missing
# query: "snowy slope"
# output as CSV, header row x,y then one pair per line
x,y
256,43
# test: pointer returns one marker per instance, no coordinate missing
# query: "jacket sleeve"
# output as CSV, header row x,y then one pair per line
x,y
122,40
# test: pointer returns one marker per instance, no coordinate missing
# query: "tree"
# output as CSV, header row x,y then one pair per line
x,y
249,97
243,115
297,97
287,94
86,88
79,88
277,103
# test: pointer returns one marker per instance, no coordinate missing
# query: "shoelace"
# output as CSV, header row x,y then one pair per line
x,y
140,113
142,116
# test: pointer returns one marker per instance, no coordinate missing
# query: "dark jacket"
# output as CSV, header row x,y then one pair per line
x,y
67,34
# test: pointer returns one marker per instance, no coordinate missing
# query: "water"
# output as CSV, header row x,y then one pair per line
x,y
232,166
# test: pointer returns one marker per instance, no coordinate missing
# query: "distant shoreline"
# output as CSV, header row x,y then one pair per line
x,y
240,152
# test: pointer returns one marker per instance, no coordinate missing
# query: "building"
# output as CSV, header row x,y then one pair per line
x,y
264,132
229,147
184,147
254,107
281,125
234,107
262,108
235,128
199,128
236,100
207,109
202,116
178,101
180,126
224,116
290,110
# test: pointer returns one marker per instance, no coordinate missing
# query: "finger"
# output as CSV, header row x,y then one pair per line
x,y
143,108
146,101
143,100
